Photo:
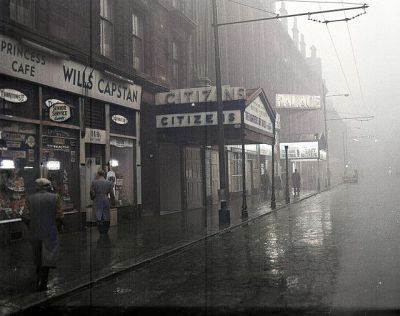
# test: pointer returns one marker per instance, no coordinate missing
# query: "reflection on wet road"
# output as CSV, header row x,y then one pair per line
x,y
338,249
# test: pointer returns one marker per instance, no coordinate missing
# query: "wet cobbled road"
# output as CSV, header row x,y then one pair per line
x,y
339,249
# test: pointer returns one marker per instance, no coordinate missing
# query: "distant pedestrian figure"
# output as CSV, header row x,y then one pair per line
x,y
266,184
278,186
43,215
296,180
101,193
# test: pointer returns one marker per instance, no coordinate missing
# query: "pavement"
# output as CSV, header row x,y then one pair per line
x,y
335,253
87,258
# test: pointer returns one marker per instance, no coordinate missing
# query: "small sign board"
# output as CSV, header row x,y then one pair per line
x,y
13,96
95,136
119,119
60,112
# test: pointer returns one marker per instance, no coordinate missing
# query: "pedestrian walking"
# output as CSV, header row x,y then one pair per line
x,y
296,180
267,184
102,194
278,186
43,215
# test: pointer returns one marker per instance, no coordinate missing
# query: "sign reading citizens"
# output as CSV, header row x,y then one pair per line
x,y
295,101
200,95
21,61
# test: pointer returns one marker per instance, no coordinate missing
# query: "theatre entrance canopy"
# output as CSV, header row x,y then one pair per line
x,y
189,116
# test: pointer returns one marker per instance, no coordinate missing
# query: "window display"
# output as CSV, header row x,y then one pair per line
x,y
61,163
18,166
121,167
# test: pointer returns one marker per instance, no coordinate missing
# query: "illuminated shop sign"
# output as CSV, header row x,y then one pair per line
x,y
200,95
196,119
26,63
14,96
295,101
300,150
256,116
119,119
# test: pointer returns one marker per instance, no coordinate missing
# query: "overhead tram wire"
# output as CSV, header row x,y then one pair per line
x,y
252,7
323,2
355,63
337,55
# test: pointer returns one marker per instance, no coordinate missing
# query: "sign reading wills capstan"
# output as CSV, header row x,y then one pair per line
x,y
18,60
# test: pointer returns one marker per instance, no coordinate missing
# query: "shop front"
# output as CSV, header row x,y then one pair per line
x,y
64,121
309,160
187,137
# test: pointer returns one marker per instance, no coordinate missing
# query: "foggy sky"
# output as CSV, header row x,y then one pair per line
x,y
376,43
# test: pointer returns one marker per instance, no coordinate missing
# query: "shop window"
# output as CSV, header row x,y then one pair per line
x,y
106,29
137,42
22,11
18,98
121,170
19,166
61,164
122,121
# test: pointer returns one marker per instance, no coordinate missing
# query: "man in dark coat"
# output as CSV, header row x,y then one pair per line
x,y
101,192
296,180
43,215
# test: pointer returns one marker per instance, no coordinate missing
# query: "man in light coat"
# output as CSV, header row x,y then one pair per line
x,y
101,192
43,215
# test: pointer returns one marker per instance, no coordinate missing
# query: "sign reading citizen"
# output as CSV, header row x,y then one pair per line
x,y
200,95
18,60
196,119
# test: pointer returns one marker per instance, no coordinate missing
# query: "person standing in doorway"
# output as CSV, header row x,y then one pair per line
x,y
43,215
296,180
102,194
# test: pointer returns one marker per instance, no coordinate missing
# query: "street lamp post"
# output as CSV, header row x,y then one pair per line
x,y
287,175
224,213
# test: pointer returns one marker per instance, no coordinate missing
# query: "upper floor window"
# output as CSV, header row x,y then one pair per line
x,y
106,29
22,11
137,42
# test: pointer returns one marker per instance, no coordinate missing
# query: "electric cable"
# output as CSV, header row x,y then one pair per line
x,y
252,7
356,64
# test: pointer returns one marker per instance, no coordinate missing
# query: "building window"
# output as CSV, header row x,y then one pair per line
x,y
22,11
175,64
106,28
137,42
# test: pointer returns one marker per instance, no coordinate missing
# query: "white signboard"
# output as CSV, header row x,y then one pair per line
x,y
121,142
300,150
196,119
18,60
200,95
59,112
265,150
322,154
13,96
95,136
119,119
256,116
295,101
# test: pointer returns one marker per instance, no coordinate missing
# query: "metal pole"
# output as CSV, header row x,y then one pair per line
x,y
328,170
273,200
245,214
224,213
287,175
